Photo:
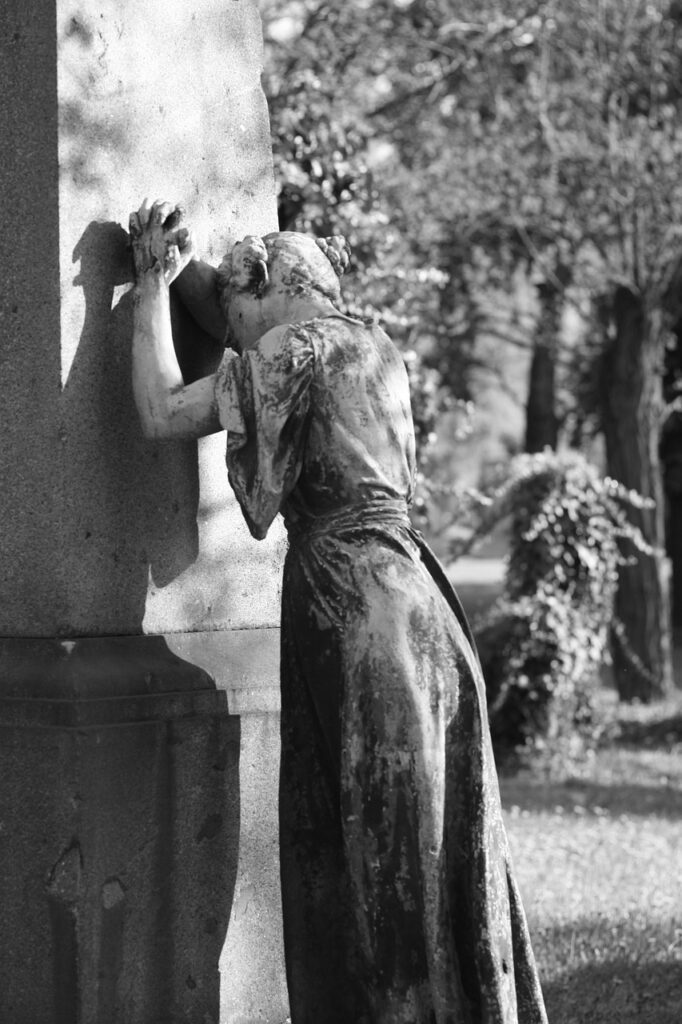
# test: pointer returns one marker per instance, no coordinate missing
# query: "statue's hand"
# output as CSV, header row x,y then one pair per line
x,y
159,242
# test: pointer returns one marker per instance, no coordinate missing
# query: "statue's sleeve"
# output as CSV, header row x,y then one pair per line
x,y
263,399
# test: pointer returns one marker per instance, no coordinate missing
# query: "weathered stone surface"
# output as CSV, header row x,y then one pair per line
x,y
84,669
253,984
102,531
105,537
118,885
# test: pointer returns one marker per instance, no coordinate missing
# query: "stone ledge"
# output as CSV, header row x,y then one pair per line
x,y
119,846
243,662
79,713
94,667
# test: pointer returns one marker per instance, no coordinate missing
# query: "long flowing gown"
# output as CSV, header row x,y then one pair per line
x,y
399,901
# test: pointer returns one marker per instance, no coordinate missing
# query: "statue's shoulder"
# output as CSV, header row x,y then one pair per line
x,y
271,342
286,349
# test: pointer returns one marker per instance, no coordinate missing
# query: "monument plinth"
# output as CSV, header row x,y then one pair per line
x,y
138,619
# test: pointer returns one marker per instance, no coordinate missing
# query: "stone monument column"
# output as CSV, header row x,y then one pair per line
x,y
138,620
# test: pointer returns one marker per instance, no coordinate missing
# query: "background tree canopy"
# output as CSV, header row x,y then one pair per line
x,y
508,177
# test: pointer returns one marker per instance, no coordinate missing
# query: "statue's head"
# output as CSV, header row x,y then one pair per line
x,y
261,279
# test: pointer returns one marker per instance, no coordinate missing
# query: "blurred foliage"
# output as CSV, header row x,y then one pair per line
x,y
454,143
544,641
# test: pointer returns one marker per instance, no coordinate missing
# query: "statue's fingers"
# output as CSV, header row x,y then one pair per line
x,y
161,211
172,259
183,239
173,218
134,226
144,211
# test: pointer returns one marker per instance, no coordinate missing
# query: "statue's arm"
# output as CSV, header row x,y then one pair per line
x,y
197,290
167,407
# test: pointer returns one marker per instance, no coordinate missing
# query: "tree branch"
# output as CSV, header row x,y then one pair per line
x,y
485,36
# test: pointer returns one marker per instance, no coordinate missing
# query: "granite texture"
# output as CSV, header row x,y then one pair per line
x,y
117,877
102,531
117,887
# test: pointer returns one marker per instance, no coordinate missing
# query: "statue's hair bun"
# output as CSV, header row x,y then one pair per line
x,y
245,267
337,251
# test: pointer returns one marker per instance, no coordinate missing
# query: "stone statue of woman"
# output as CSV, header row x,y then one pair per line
x,y
399,900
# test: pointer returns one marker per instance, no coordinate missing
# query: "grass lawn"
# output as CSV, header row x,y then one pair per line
x,y
598,857
599,862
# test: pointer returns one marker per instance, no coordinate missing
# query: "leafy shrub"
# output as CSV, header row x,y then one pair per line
x,y
545,640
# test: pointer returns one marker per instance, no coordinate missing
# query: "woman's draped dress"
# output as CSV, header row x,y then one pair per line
x,y
399,900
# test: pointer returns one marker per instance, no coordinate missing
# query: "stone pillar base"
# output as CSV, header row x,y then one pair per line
x,y
119,832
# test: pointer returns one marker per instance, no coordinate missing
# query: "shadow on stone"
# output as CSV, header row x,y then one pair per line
x,y
119,760
137,512
118,884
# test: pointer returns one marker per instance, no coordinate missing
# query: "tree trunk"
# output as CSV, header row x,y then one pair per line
x,y
675,555
670,449
632,403
541,418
